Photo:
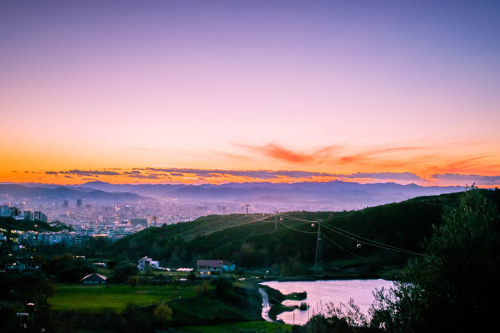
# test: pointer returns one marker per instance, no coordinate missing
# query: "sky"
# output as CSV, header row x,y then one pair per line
x,y
242,91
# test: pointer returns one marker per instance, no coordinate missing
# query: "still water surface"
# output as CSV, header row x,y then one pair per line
x,y
320,293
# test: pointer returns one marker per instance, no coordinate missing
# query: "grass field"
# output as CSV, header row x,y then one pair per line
x,y
98,298
258,326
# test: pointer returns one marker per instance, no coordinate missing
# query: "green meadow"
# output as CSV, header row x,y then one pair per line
x,y
98,298
197,307
253,326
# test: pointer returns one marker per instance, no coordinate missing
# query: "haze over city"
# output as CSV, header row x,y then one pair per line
x,y
195,92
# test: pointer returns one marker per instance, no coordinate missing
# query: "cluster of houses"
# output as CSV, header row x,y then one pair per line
x,y
205,268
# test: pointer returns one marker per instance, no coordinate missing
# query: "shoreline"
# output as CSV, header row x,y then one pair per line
x,y
275,298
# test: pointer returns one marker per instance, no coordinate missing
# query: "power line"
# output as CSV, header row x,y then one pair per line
x,y
355,237
294,229
242,217
369,241
352,253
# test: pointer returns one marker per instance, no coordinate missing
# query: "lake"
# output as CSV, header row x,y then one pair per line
x,y
320,293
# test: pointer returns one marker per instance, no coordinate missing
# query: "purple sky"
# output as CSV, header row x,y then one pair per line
x,y
337,87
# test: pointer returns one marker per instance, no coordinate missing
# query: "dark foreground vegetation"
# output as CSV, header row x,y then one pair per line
x,y
450,288
443,250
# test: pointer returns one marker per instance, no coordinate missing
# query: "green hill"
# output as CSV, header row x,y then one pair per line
x,y
371,238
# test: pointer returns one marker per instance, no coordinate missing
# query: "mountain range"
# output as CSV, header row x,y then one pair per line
x,y
43,192
334,195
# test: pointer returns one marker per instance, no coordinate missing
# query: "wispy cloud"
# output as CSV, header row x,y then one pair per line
x,y
338,154
371,155
279,152
402,164
218,176
81,173
402,176
468,179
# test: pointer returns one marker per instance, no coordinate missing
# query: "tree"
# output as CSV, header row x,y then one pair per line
x,y
123,270
133,281
451,286
163,314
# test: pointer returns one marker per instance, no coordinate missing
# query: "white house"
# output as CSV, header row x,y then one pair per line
x,y
214,267
145,263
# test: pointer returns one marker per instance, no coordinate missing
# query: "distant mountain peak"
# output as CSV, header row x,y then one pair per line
x,y
96,182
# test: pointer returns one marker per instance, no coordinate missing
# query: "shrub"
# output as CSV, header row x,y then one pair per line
x,y
202,289
163,314
222,284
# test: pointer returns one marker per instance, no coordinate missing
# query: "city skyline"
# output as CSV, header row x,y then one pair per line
x,y
247,91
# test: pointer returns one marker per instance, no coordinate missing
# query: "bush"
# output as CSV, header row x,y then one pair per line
x,y
163,314
123,271
202,289
222,284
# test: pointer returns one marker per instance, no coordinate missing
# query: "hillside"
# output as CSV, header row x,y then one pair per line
x,y
383,235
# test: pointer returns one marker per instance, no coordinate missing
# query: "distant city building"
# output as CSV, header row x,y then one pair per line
x,y
28,215
4,210
13,211
16,213
39,216
80,240
79,203
136,222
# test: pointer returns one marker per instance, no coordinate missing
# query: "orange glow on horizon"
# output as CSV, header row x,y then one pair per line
x,y
217,177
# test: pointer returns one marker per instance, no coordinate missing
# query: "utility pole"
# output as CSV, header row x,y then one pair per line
x,y
318,262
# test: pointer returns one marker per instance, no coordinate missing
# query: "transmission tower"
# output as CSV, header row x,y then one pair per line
x,y
318,262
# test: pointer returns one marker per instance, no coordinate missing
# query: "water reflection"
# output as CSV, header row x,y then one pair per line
x,y
265,305
321,293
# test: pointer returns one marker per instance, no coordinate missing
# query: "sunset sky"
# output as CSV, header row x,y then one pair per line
x,y
222,91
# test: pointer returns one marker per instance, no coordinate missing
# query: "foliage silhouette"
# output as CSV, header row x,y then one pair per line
x,y
452,286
